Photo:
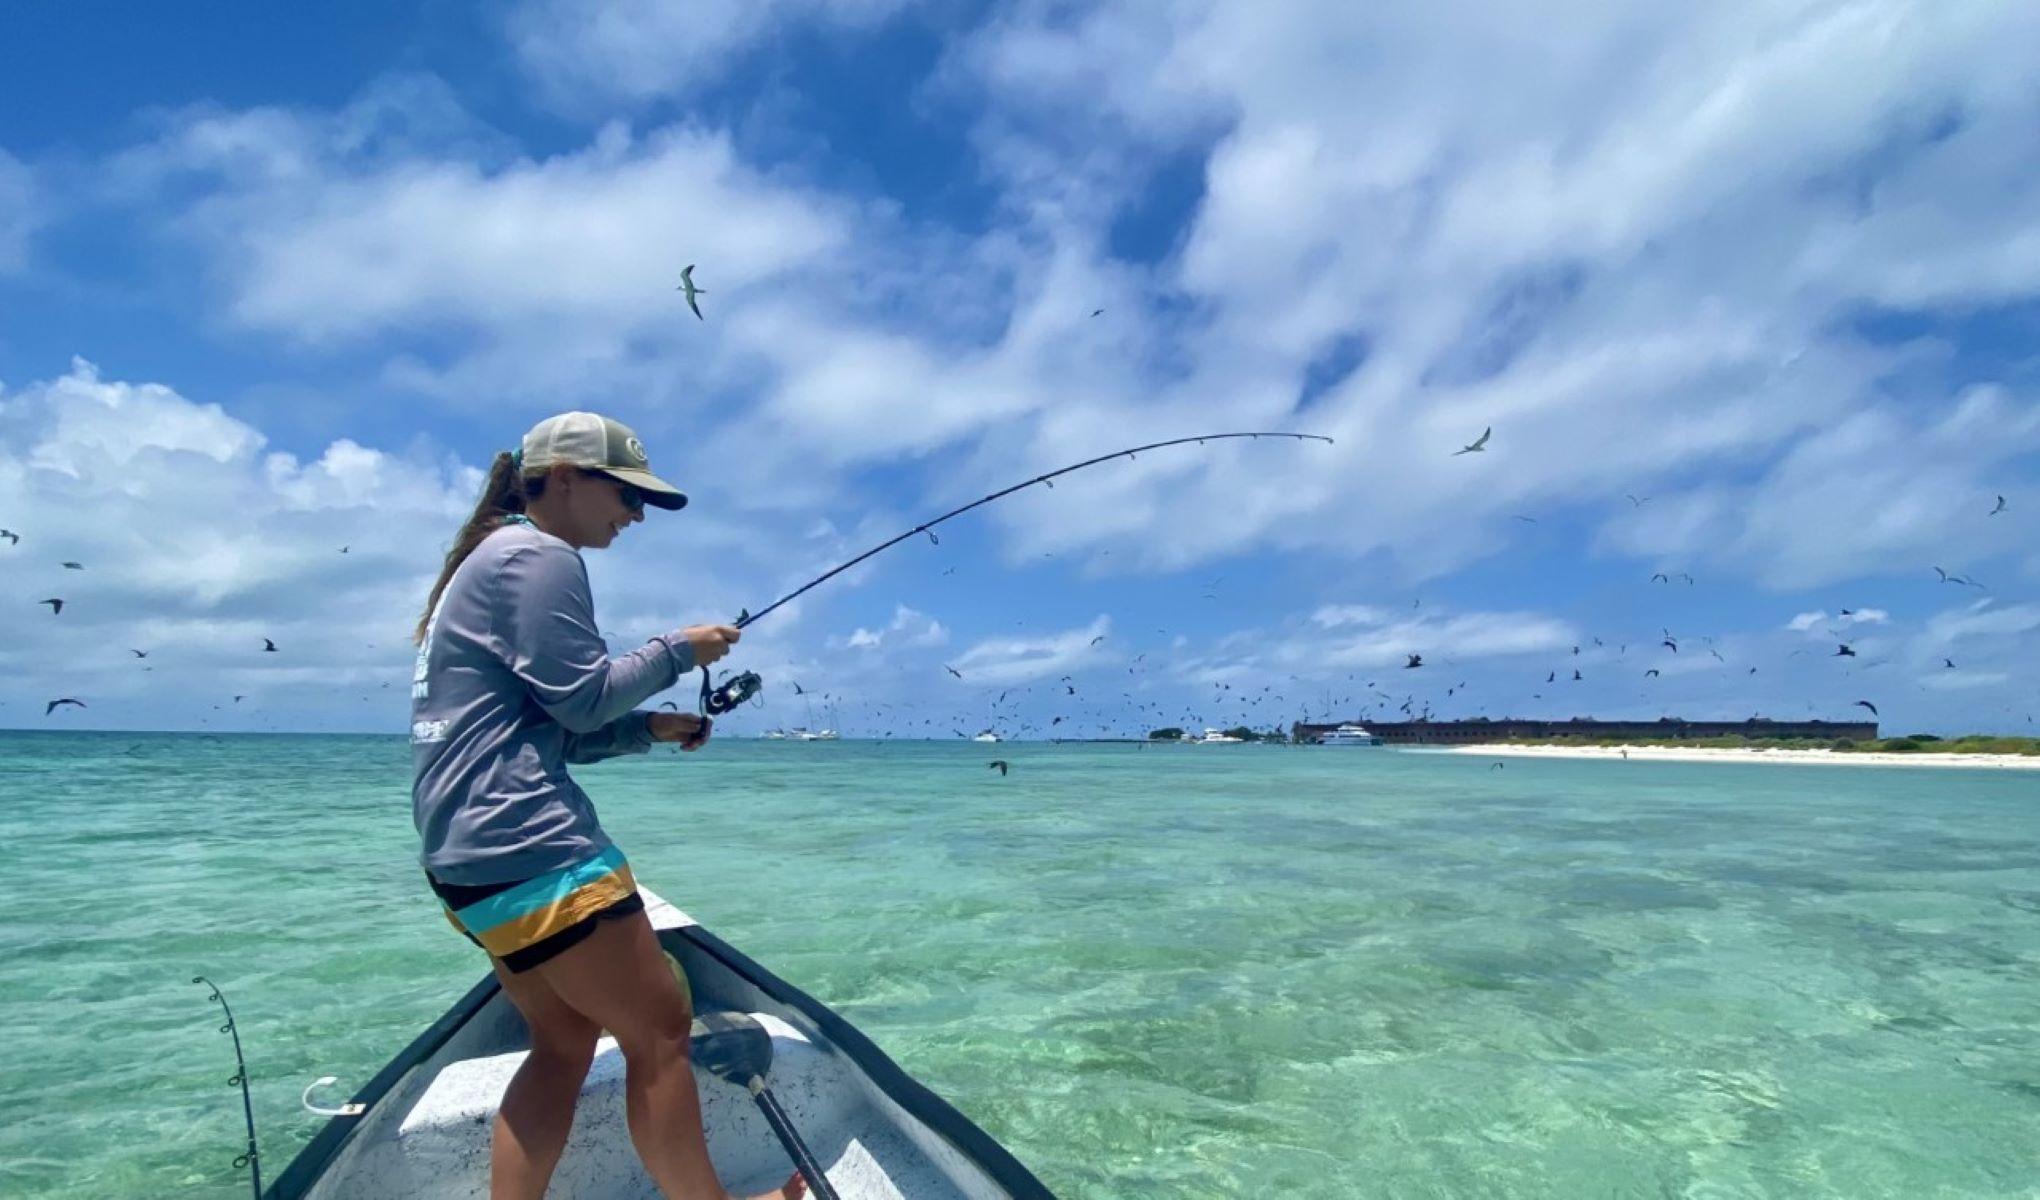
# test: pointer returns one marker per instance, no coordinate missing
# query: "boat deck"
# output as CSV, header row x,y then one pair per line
x,y
428,1134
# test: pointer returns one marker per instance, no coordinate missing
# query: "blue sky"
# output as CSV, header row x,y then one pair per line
x,y
276,283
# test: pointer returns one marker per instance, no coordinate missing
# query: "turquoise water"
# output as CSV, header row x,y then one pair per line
x,y
1210,971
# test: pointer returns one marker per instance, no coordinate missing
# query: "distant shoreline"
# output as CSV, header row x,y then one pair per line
x,y
2016,762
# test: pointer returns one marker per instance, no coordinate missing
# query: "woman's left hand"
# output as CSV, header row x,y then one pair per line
x,y
685,728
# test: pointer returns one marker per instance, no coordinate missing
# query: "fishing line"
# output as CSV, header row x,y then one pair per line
x,y
739,688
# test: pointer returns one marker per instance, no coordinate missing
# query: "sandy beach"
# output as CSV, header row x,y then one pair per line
x,y
2015,762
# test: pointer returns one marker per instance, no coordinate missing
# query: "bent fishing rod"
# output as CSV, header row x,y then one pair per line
x,y
736,690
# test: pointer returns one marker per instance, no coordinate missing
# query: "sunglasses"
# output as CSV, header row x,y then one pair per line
x,y
632,498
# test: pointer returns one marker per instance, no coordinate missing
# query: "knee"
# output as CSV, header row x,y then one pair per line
x,y
566,1048
661,1040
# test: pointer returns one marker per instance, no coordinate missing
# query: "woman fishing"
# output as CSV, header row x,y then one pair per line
x,y
512,684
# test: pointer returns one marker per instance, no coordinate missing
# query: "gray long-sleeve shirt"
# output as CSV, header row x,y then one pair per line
x,y
513,683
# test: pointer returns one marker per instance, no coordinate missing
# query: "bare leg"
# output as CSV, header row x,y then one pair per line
x,y
618,979
537,1111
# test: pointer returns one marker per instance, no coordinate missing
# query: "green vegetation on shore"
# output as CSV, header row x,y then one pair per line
x,y
1913,743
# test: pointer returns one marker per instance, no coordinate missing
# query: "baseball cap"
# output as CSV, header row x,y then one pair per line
x,y
596,443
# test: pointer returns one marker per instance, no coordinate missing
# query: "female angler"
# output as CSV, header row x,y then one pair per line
x,y
512,684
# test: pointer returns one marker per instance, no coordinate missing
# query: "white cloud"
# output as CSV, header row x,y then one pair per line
x,y
910,629
22,212
197,544
1021,659
585,52
1819,619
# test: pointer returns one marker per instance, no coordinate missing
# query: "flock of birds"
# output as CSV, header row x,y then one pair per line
x,y
1115,711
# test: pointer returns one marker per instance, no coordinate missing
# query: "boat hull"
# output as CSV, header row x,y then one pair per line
x,y
425,1126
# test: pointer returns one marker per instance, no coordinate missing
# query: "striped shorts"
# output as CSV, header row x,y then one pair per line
x,y
528,921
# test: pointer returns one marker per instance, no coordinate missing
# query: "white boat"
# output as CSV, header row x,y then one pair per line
x,y
1350,735
774,735
987,736
420,1129
1215,737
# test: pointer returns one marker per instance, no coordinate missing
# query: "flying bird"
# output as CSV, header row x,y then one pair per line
x,y
1479,444
1526,520
54,705
999,763
71,566
2000,507
1416,660
1096,311
1843,651
952,670
1638,501
56,606
1651,674
1669,642
1660,577
687,285
1868,705
11,536
1947,662
669,704
138,653
797,689
268,647
1096,640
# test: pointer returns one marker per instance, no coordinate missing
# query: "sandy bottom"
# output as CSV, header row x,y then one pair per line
x,y
2017,762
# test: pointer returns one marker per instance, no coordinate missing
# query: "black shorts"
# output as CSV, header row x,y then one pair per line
x,y
527,921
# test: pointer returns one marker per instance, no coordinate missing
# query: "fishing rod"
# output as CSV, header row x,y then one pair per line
x,y
251,1159
740,688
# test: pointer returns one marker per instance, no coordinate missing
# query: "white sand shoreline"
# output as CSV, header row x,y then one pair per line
x,y
2015,762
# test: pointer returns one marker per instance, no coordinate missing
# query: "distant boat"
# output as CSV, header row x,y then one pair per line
x,y
1350,735
812,735
987,736
421,1127
774,735
1215,737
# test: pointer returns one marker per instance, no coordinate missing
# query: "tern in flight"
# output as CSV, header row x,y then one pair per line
x,y
56,606
687,285
54,705
999,763
12,537
1868,705
2000,507
1479,444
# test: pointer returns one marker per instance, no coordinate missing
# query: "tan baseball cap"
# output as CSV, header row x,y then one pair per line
x,y
596,443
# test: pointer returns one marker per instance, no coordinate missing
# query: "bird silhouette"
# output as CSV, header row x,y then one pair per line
x,y
1637,501
268,647
2000,506
1651,674
1416,660
56,606
687,285
1476,446
1868,705
952,670
999,763
1096,640
54,705
72,566
1843,651
12,537
138,653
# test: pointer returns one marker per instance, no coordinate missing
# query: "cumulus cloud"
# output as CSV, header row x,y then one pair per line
x,y
197,542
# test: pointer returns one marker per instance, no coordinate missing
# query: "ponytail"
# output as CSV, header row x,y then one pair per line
x,y
504,494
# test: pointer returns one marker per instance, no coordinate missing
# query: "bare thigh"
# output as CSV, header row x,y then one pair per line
x,y
555,1026
618,979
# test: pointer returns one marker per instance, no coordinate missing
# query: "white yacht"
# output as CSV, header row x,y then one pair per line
x,y
1350,735
987,736
1214,737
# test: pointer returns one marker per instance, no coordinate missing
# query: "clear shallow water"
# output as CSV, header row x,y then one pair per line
x,y
1213,971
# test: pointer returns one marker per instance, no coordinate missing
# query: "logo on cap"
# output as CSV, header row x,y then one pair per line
x,y
636,448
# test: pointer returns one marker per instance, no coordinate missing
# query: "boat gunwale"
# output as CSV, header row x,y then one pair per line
x,y
913,1096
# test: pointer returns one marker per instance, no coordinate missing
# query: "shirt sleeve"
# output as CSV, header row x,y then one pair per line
x,y
630,733
545,624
